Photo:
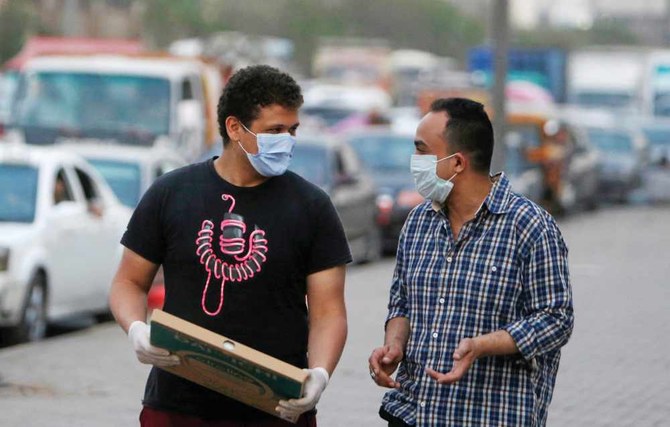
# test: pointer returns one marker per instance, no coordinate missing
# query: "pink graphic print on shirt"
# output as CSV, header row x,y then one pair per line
x,y
232,244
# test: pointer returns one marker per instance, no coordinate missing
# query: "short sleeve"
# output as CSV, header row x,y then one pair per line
x,y
144,234
329,246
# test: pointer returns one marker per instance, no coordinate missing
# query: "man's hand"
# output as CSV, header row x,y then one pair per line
x,y
315,385
382,363
464,357
138,334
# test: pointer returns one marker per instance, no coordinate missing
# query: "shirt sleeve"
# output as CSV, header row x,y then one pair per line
x,y
547,297
397,306
144,234
329,244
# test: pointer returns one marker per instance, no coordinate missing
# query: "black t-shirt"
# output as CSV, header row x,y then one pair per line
x,y
260,242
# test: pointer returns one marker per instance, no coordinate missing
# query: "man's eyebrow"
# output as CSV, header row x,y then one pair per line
x,y
282,125
419,144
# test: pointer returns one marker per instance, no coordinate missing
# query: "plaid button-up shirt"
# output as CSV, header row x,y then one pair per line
x,y
506,270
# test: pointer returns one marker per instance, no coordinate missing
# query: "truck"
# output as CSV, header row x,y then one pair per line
x,y
123,99
544,66
609,77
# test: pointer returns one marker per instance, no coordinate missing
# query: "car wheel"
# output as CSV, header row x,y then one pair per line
x,y
33,324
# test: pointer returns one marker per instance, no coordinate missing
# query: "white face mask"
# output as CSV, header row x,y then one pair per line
x,y
428,184
275,152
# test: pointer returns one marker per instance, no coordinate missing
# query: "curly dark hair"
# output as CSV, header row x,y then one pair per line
x,y
468,129
252,88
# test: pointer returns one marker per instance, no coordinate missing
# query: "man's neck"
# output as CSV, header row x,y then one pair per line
x,y
467,197
236,169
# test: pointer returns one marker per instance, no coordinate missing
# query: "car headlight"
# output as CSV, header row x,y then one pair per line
x,y
4,259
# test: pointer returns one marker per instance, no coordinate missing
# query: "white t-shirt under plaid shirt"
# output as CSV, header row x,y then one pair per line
x,y
507,270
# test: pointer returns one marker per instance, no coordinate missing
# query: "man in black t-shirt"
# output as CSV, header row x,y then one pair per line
x,y
245,246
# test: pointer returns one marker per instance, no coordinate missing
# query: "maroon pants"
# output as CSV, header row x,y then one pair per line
x,y
154,418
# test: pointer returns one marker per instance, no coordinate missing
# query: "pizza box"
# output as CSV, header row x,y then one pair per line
x,y
226,366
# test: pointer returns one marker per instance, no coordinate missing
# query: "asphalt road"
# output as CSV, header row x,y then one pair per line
x,y
615,371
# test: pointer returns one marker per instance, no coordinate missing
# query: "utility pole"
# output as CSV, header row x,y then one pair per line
x,y
70,26
500,35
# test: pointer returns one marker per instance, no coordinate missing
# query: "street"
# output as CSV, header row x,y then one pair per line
x,y
614,371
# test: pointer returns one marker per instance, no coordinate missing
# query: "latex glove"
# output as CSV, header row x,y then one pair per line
x,y
315,385
138,334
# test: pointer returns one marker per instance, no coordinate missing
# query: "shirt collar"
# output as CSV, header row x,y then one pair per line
x,y
497,200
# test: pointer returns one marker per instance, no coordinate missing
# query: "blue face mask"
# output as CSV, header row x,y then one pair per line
x,y
428,184
275,152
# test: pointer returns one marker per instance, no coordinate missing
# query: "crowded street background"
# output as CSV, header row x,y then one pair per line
x,y
100,98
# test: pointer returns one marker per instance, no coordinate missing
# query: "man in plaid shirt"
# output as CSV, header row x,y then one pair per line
x,y
480,302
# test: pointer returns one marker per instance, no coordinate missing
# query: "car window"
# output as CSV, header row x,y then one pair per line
x,y
18,193
90,188
186,89
383,152
611,141
312,163
124,178
98,105
62,191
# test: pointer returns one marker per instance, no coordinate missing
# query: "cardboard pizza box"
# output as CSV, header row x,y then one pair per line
x,y
226,366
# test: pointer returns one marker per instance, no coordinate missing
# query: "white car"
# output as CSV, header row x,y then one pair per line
x,y
129,171
60,226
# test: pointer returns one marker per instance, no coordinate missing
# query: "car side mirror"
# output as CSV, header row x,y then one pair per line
x,y
190,114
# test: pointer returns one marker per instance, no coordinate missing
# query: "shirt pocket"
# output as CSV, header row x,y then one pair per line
x,y
498,287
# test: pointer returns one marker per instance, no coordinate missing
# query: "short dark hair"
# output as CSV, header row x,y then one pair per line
x,y
254,87
468,130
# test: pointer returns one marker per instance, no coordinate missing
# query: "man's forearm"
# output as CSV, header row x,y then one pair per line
x,y
498,343
397,332
327,335
127,303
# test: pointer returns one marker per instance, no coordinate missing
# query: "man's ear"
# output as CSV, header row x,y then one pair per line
x,y
233,128
462,162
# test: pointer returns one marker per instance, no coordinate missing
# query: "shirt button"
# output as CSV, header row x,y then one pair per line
x,y
449,259
441,300
434,334
494,269
422,404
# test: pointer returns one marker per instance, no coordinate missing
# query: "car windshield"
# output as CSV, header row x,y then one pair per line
x,y
604,99
7,87
330,115
311,162
93,105
611,141
124,178
384,152
18,193
658,136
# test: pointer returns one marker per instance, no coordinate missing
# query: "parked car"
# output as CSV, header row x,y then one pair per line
x,y
657,175
386,154
129,171
582,173
334,166
622,159
60,226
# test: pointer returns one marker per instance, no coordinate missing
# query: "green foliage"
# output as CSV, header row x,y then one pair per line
x,y
421,24
603,32
15,21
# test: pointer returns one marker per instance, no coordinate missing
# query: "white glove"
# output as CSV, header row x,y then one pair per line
x,y
315,385
138,334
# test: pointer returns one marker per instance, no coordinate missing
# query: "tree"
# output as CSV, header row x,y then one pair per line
x,y
16,20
